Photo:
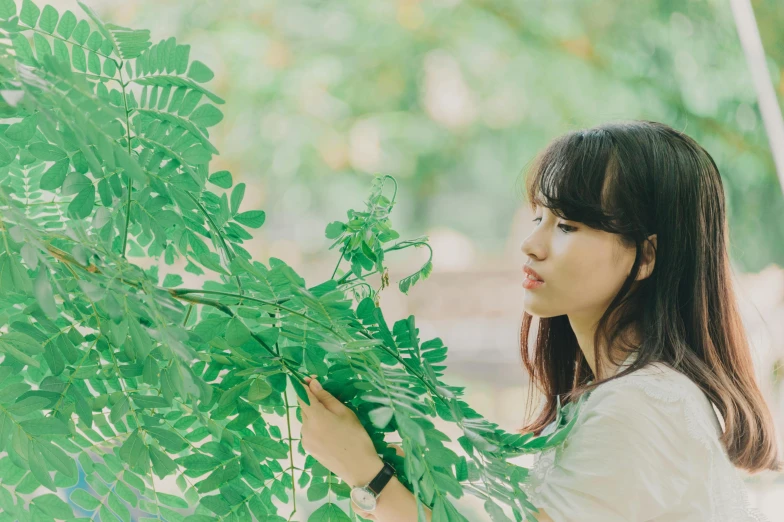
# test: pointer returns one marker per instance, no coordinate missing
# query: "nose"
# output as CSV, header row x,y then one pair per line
x,y
531,248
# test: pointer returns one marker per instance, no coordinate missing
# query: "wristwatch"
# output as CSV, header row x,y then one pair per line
x,y
365,496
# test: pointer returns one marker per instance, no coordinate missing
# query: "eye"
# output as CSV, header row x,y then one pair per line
x,y
566,228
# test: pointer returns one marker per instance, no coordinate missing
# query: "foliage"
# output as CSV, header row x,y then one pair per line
x,y
110,373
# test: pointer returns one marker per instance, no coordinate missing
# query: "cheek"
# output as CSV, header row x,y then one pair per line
x,y
584,275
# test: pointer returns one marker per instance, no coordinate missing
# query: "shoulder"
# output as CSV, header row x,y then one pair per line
x,y
657,381
655,393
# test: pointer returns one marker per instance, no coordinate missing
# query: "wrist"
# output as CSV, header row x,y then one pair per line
x,y
366,472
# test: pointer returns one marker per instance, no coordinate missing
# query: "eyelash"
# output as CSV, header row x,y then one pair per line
x,y
572,229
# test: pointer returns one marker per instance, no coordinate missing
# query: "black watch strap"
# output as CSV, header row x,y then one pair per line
x,y
381,480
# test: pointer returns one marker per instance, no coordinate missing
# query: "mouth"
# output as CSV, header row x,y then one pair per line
x,y
531,274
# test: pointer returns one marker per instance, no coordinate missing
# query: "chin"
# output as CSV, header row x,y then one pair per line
x,y
539,313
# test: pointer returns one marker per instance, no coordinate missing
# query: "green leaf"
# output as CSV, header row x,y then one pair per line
x,y
94,41
24,53
5,156
119,508
410,428
44,295
21,346
181,54
57,458
109,67
149,401
212,261
39,468
66,25
150,373
267,447
61,53
221,178
380,417
162,464
200,72
119,409
140,344
236,197
237,333
46,151
29,13
53,506
496,513
179,81
54,176
259,390
132,43
249,461
49,18
79,60
167,438
171,500
252,218
84,500
198,462
93,62
196,155
42,49
335,229
299,389
7,9
330,513
206,115
81,32
172,280
134,452
22,131
45,426
82,205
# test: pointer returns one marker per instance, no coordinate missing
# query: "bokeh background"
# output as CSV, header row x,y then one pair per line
x,y
454,98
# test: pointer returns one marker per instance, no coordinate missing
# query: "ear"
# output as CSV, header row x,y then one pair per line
x,y
648,257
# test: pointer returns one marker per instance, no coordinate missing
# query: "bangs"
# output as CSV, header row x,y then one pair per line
x,y
575,177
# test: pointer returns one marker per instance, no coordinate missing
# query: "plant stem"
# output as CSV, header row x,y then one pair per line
x,y
130,182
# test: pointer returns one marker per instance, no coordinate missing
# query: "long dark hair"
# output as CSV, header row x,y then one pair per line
x,y
635,178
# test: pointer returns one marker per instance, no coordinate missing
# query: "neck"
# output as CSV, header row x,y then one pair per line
x,y
584,335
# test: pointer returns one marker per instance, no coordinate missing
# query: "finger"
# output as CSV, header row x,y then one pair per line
x,y
315,406
398,450
329,401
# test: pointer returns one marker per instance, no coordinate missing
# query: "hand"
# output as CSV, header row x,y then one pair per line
x,y
333,435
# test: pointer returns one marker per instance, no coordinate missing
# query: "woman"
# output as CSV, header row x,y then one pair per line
x,y
635,307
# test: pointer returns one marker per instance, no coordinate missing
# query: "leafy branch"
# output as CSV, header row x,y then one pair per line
x,y
124,374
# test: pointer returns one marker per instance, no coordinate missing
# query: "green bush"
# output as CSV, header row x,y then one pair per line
x,y
104,154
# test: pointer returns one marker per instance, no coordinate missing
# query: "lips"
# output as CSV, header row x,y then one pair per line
x,y
530,271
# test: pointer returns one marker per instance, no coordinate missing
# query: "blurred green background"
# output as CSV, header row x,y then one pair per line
x,y
454,98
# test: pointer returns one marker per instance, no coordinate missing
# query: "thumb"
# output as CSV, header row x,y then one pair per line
x,y
327,399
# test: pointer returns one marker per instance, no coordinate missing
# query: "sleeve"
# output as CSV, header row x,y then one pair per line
x,y
626,461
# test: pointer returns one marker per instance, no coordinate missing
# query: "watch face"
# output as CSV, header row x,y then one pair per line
x,y
364,499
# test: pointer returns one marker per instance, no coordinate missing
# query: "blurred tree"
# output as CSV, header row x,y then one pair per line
x,y
454,97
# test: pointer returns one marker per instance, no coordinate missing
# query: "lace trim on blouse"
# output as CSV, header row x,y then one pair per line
x,y
728,495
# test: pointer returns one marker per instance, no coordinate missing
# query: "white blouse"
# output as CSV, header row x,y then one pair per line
x,y
644,447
